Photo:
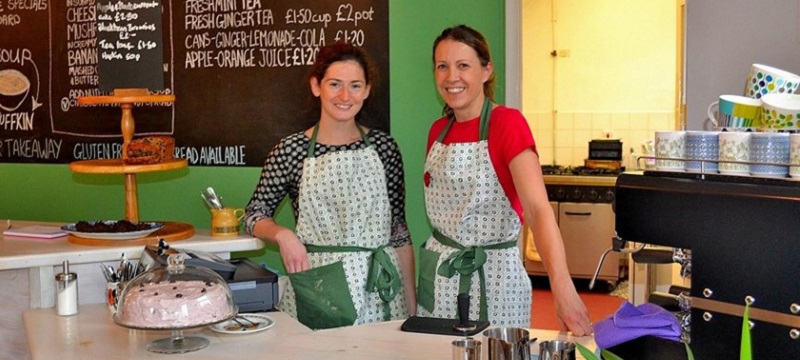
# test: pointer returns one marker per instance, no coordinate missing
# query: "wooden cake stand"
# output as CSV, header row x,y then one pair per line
x,y
126,98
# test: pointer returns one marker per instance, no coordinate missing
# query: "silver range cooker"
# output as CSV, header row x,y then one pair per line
x,y
581,199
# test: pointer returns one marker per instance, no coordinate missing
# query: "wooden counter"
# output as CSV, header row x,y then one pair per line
x,y
92,334
28,267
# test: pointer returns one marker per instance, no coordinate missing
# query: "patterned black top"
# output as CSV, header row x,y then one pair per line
x,y
283,169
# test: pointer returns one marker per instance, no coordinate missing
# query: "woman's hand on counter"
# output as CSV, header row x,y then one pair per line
x,y
571,312
293,252
294,255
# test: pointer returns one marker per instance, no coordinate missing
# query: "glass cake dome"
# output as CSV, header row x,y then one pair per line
x,y
175,297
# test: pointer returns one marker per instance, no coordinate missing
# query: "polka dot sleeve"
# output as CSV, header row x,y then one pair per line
x,y
280,177
392,160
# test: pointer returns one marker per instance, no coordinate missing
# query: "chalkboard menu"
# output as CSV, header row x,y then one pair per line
x,y
129,44
238,70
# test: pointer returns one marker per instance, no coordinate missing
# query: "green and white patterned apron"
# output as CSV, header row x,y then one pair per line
x,y
474,246
345,222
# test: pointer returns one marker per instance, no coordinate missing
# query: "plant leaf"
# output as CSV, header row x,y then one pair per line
x,y
689,353
746,352
609,356
588,354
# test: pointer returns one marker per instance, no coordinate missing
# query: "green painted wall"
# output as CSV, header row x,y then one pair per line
x,y
54,193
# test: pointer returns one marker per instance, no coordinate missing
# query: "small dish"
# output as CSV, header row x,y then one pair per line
x,y
244,324
127,235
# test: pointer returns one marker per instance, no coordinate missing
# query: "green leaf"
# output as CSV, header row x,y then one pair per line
x,y
689,353
609,356
588,354
745,351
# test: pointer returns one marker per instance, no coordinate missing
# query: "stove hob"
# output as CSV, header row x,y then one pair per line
x,y
579,171
580,183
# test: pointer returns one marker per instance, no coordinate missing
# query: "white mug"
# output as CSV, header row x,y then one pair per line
x,y
767,148
794,155
764,79
669,147
702,151
735,112
781,112
734,153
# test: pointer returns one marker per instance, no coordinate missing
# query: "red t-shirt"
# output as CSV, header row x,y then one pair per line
x,y
509,135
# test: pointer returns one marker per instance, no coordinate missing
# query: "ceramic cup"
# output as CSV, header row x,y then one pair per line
x,y
734,148
225,222
766,148
734,111
670,144
113,291
765,79
781,111
702,151
741,129
794,155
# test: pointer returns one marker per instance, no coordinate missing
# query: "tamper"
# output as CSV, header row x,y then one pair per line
x,y
464,325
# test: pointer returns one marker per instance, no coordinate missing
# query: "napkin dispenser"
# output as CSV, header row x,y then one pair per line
x,y
254,288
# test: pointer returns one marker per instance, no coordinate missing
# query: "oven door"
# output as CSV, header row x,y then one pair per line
x,y
586,230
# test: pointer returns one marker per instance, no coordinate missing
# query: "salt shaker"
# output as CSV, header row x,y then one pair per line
x,y
66,292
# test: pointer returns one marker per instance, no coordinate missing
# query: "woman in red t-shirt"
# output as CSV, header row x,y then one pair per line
x,y
482,180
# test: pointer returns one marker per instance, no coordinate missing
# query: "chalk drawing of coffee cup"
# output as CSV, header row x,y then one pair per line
x,y
14,87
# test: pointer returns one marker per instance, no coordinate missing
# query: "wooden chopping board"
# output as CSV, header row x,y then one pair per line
x,y
172,231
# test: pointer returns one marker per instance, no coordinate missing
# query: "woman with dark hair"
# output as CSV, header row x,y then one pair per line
x,y
349,260
482,180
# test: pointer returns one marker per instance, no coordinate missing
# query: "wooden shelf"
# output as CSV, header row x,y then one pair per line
x,y
116,166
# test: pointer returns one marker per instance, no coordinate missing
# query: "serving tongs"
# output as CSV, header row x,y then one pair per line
x,y
212,200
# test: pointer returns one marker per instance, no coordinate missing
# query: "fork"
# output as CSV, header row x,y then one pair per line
x,y
243,325
240,317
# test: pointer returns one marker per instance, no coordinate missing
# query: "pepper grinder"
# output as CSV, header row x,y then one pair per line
x,y
66,292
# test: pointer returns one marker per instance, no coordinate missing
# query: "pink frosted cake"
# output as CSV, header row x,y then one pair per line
x,y
174,304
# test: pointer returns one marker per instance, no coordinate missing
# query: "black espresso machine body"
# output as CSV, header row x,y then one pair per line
x,y
743,234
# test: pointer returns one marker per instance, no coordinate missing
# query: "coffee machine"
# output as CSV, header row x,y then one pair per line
x,y
743,236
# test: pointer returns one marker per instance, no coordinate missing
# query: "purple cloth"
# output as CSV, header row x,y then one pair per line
x,y
631,322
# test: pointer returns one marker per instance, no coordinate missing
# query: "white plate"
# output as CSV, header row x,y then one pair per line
x,y
130,235
259,323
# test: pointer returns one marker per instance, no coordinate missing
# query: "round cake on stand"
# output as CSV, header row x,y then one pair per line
x,y
175,298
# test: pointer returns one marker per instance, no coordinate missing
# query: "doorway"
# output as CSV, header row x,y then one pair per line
x,y
593,69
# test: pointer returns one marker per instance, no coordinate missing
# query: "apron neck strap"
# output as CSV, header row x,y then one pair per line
x,y
483,134
313,143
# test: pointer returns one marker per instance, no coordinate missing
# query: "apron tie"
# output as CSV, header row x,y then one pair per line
x,y
383,277
465,262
